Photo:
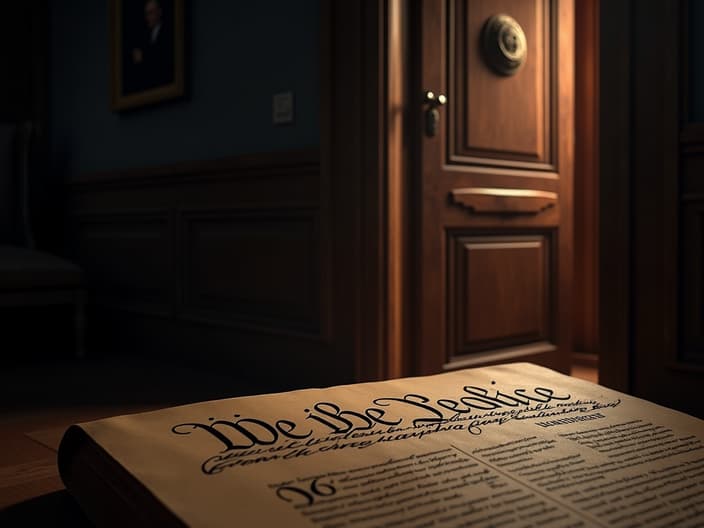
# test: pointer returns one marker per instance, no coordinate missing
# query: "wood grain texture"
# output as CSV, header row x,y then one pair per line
x,y
442,173
356,141
564,134
615,207
500,292
398,104
230,258
586,179
501,120
126,258
253,267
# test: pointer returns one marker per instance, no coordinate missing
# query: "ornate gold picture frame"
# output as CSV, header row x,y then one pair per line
x,y
146,51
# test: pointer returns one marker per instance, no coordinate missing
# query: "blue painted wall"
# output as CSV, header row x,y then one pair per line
x,y
241,54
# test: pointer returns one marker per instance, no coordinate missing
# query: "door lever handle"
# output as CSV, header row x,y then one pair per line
x,y
434,100
432,114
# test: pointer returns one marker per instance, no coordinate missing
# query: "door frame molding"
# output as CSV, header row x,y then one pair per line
x,y
586,186
615,187
363,157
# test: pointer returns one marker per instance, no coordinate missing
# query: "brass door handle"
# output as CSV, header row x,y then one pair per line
x,y
434,99
488,200
432,114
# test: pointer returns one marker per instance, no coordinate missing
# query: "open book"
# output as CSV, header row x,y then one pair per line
x,y
510,445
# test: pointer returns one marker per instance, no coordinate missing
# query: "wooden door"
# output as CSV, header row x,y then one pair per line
x,y
494,190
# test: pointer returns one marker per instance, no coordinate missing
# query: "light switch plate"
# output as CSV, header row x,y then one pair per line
x,y
282,108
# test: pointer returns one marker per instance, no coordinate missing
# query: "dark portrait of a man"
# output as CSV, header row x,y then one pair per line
x,y
147,45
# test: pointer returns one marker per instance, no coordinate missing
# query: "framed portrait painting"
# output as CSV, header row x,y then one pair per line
x,y
147,52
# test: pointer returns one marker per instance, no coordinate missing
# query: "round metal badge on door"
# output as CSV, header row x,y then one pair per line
x,y
504,44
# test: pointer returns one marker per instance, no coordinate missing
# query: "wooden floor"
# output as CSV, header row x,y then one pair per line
x,y
39,402
30,487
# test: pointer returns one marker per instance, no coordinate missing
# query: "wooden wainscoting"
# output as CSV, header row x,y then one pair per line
x,y
224,261
255,268
127,261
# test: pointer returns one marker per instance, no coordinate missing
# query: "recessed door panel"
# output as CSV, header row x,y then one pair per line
x,y
500,119
500,292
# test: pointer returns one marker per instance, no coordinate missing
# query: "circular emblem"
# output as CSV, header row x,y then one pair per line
x,y
504,44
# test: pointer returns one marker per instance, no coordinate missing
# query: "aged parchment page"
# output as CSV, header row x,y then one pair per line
x,y
511,445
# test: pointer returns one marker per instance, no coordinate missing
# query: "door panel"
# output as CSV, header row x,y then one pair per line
x,y
495,189
500,292
517,129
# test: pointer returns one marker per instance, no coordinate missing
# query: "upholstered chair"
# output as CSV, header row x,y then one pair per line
x,y
29,277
